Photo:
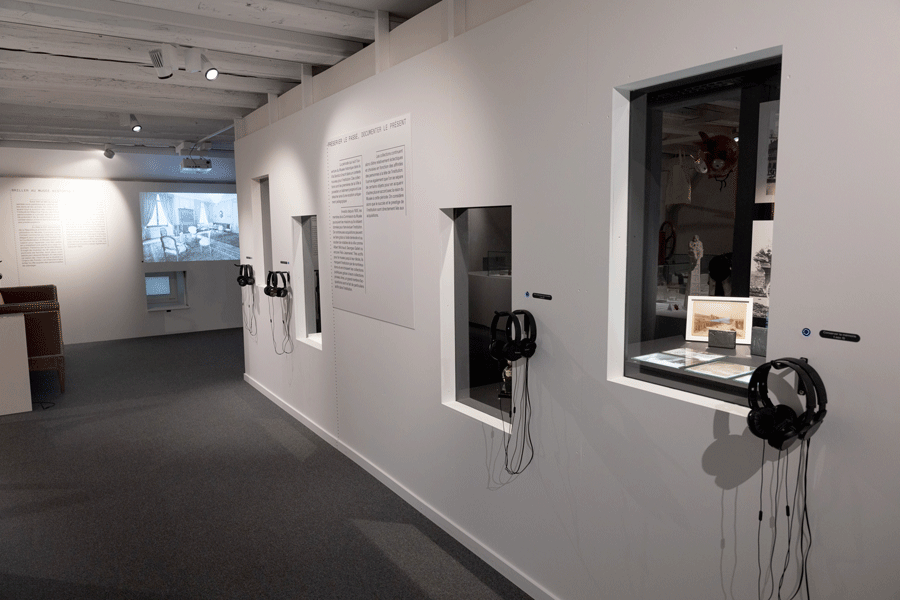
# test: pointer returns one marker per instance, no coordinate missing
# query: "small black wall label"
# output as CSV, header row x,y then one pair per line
x,y
837,335
541,296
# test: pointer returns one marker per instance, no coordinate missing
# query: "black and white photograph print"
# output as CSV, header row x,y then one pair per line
x,y
719,313
761,267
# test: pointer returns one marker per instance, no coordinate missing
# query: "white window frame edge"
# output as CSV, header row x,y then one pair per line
x,y
447,325
618,231
301,331
181,300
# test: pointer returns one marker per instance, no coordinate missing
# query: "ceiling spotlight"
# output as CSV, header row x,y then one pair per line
x,y
209,71
163,59
108,151
135,126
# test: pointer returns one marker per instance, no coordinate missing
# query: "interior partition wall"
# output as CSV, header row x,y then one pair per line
x,y
636,491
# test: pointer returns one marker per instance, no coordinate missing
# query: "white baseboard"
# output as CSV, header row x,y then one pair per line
x,y
520,579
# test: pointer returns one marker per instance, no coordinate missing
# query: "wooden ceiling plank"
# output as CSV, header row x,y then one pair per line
x,y
91,118
10,131
102,101
64,65
62,85
90,138
103,17
32,38
321,17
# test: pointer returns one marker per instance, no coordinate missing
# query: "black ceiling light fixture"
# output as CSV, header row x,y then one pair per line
x,y
135,126
108,152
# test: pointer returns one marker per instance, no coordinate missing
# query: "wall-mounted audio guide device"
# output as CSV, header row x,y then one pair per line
x,y
781,427
519,341
248,297
246,275
274,290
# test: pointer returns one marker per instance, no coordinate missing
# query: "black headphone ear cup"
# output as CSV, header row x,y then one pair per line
x,y
761,422
786,428
784,414
527,348
495,348
814,425
528,345
511,349
250,280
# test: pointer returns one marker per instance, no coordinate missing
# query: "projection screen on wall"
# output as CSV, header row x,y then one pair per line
x,y
182,227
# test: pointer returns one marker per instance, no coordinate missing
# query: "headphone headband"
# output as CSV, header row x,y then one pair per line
x,y
495,321
815,405
512,323
810,384
529,327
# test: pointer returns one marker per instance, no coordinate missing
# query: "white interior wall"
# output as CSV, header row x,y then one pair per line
x,y
632,494
101,288
45,161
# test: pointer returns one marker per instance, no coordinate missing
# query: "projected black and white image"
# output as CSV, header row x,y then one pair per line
x,y
183,227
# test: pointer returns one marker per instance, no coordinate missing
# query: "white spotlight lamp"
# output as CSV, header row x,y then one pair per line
x,y
135,126
209,70
163,59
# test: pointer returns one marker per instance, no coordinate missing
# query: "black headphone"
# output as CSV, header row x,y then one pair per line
x,y
780,425
246,276
509,349
527,345
272,288
280,292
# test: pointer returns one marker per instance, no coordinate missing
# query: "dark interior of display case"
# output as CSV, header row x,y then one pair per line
x,y
701,199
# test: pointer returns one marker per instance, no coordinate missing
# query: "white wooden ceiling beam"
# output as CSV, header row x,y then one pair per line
x,y
108,137
101,140
306,91
121,104
122,91
18,115
311,16
128,73
456,18
103,47
382,41
146,23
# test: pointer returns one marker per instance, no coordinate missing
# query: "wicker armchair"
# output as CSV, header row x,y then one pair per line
x,y
43,327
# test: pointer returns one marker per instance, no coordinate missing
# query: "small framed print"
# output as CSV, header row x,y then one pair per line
x,y
719,312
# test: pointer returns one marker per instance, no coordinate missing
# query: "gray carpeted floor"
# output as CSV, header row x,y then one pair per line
x,y
161,474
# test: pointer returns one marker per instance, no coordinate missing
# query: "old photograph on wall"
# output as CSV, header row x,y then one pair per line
x,y
761,267
719,313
